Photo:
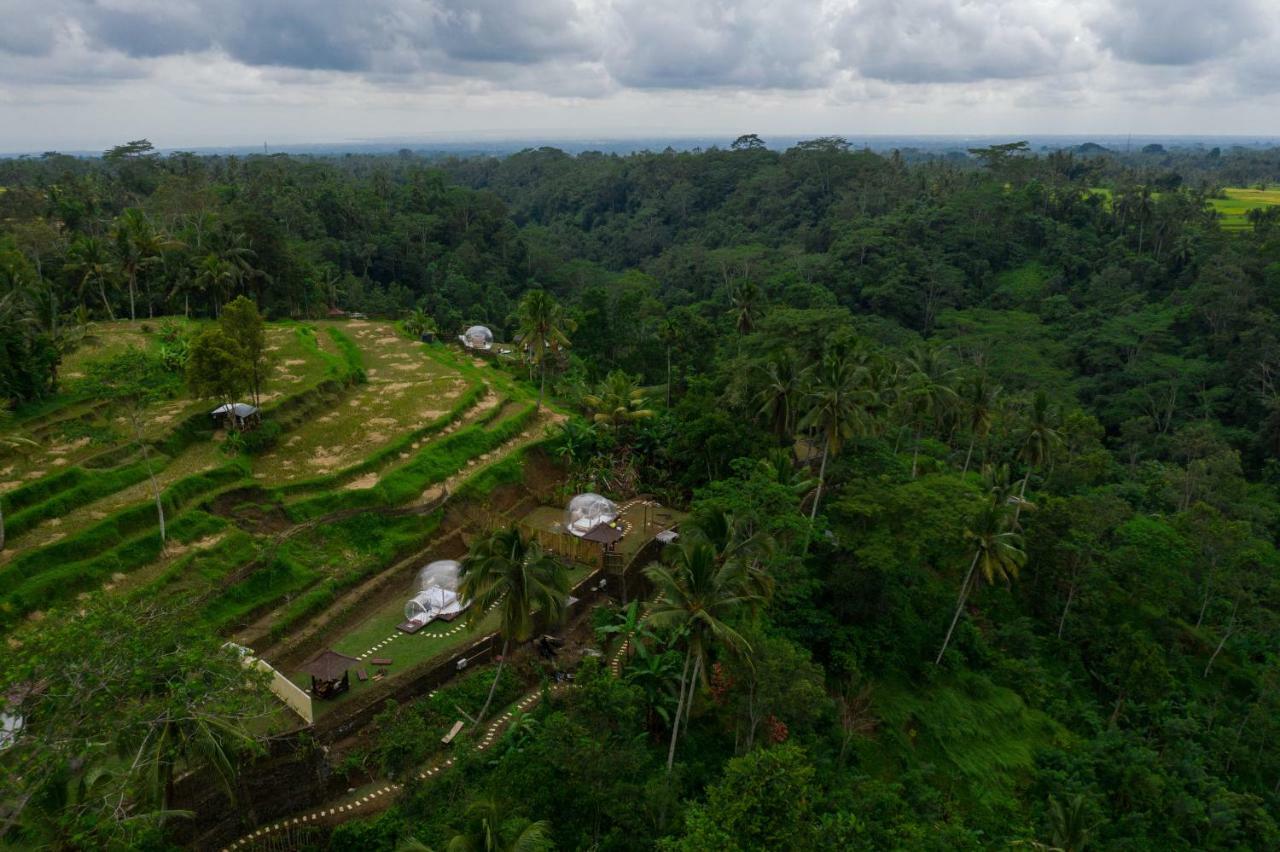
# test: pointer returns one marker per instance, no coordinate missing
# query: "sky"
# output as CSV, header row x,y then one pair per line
x,y
87,74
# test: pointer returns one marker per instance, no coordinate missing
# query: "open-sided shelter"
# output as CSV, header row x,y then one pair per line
x,y
328,671
236,414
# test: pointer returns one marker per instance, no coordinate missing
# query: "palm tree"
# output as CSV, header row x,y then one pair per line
x,y
1069,825
1038,440
543,330
928,394
746,299
190,738
417,322
979,396
504,569
137,245
997,555
489,828
89,257
835,396
697,594
669,336
617,402
780,393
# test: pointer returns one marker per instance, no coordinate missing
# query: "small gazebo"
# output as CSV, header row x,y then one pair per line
x,y
328,671
236,414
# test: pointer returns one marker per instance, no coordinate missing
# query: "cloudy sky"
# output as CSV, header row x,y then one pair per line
x,y
83,74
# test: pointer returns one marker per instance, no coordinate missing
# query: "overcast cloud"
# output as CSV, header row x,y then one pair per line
x,y
85,73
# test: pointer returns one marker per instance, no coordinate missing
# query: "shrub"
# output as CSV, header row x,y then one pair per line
x,y
259,440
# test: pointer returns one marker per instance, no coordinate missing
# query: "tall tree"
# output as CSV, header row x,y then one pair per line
x,y
506,570
997,555
979,396
89,257
242,323
835,400
1037,441
696,596
543,332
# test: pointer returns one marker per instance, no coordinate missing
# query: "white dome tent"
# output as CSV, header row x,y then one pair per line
x,y
588,511
436,596
477,337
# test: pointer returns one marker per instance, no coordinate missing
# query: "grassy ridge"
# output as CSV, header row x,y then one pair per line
x,y
433,463
81,490
121,542
375,460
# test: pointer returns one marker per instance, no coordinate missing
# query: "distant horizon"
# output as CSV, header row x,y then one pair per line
x,y
493,142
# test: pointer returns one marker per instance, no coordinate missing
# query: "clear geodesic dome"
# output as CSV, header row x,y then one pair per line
x,y
478,337
433,603
588,511
442,573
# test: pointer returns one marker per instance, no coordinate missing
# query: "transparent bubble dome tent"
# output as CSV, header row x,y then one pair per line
x,y
478,337
588,511
437,595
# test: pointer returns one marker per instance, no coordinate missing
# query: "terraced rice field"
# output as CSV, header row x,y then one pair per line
x,y
405,392
299,545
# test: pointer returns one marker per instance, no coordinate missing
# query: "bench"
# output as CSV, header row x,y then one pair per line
x,y
453,732
380,661
362,674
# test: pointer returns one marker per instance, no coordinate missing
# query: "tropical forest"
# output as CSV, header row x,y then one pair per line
x,y
732,498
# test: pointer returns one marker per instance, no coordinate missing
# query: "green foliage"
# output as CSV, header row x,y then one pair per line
x,y
765,801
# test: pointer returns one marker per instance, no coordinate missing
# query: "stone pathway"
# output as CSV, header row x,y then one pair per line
x,y
343,811
346,810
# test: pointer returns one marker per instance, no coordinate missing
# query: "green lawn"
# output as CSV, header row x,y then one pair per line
x,y
436,640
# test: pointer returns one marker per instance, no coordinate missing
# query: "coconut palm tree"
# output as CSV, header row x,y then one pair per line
x,y
1037,442
696,596
89,258
928,393
617,402
543,330
669,336
747,300
997,555
835,397
780,394
137,246
188,738
506,570
979,396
